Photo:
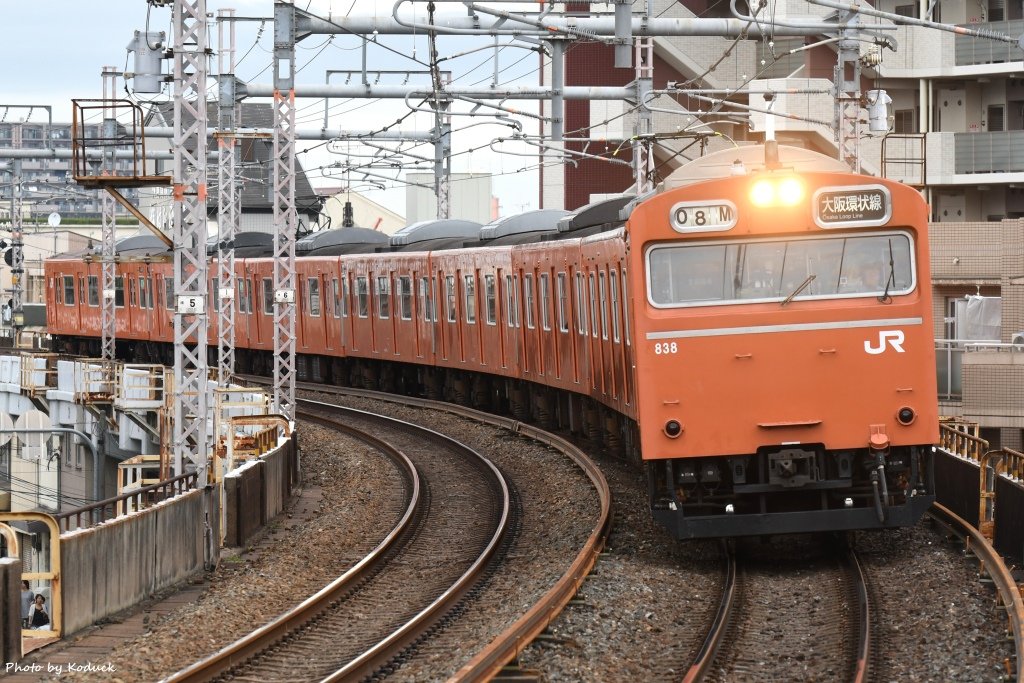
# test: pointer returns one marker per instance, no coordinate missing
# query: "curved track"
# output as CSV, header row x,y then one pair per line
x,y
776,623
459,511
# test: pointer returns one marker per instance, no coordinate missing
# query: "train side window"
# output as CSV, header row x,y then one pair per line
x,y
490,296
512,296
426,301
119,291
404,285
81,289
449,295
243,296
470,281
613,282
335,300
169,293
545,301
563,304
383,294
344,295
268,296
363,296
69,290
602,287
214,293
528,299
313,296
581,305
94,291
625,305
593,306
149,292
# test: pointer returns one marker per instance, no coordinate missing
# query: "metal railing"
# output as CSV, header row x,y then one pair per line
x,y
990,152
138,499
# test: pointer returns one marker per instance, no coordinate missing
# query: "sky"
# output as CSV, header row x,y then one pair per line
x,y
54,51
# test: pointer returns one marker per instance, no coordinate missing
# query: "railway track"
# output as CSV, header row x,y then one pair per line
x,y
807,619
458,513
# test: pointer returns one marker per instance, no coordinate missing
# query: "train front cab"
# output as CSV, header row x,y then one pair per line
x,y
803,401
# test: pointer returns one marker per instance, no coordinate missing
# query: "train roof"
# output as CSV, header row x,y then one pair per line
x,y
341,241
750,158
603,212
522,228
249,244
441,233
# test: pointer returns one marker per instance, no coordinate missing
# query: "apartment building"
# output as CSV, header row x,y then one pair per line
x,y
956,132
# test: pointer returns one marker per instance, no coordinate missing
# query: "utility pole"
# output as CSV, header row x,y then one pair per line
x,y
285,216
190,439
228,201
108,224
846,84
440,103
17,254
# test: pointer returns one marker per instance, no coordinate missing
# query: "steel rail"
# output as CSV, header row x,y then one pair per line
x,y
507,646
1007,589
259,640
706,655
864,614
378,655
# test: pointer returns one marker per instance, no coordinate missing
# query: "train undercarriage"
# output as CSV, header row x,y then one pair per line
x,y
792,489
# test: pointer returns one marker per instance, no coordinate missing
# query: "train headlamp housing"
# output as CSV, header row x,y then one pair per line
x,y
906,415
768,192
673,429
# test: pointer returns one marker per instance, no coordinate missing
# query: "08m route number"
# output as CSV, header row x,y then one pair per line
x,y
661,348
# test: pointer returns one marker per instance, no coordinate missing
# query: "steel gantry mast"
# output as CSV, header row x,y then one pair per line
x,y
17,253
190,320
108,226
285,215
228,200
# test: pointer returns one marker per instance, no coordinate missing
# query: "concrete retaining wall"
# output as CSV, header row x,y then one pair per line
x,y
115,565
258,492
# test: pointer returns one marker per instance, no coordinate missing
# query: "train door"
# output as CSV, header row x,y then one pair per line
x,y
608,374
564,351
580,337
629,393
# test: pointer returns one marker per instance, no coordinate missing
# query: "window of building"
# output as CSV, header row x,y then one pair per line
x,y
904,121
996,118
404,285
449,295
313,296
490,300
94,290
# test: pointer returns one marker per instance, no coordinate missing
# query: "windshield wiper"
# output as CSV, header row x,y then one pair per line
x,y
891,280
799,289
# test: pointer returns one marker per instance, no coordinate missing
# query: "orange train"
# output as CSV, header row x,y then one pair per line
x,y
758,333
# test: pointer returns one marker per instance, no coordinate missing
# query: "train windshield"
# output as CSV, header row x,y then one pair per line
x,y
837,266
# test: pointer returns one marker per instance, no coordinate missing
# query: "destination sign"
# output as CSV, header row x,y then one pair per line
x,y
855,206
711,216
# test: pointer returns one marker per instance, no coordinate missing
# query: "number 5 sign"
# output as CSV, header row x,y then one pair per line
x,y
191,304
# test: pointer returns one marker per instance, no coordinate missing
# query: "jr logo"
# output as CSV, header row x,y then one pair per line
x,y
894,337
